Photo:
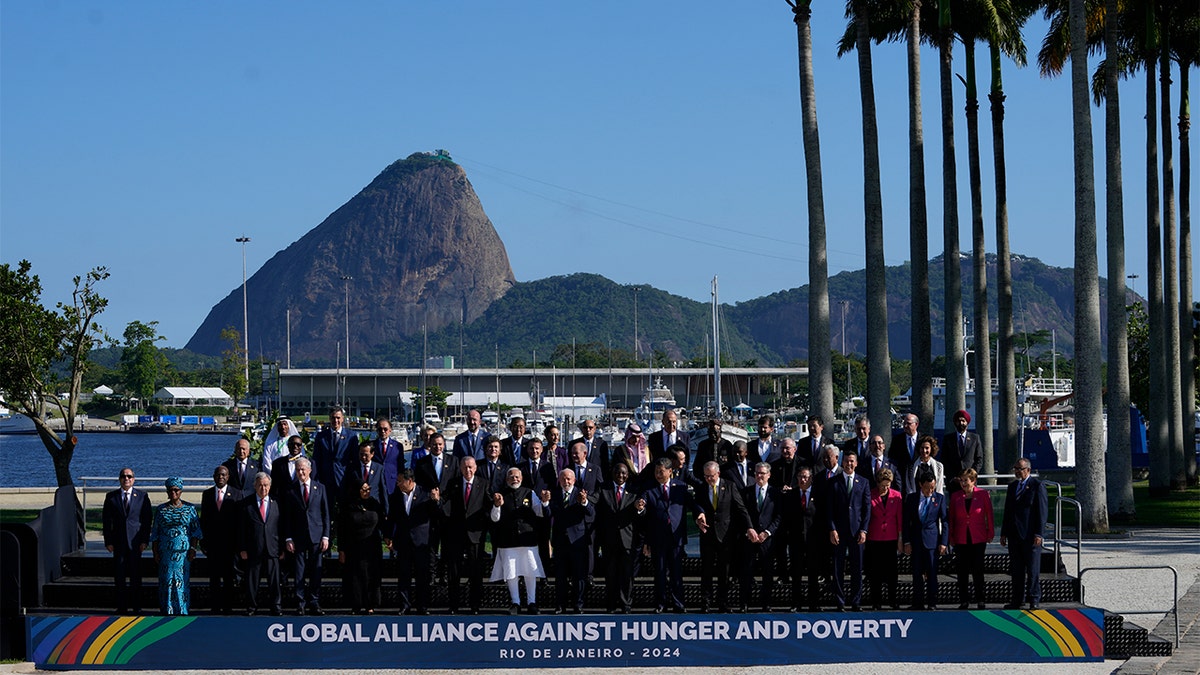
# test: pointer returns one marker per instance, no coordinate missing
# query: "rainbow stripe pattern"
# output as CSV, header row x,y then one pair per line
x,y
1064,633
99,640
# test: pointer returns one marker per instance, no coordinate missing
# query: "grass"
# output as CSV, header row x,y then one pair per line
x,y
10,516
1179,509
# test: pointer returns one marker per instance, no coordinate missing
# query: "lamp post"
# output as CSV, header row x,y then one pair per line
x,y
849,385
347,278
1132,282
243,240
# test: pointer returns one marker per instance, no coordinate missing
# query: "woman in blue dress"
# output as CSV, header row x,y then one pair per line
x,y
174,538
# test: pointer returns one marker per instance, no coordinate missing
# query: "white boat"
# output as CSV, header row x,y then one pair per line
x,y
432,417
15,423
656,400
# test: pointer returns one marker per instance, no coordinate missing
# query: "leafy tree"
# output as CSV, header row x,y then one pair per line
x,y
142,365
232,364
434,396
33,338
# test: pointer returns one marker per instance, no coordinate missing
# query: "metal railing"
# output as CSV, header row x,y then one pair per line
x,y
1173,609
102,485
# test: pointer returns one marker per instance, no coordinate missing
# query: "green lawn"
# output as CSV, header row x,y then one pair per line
x,y
26,515
1180,509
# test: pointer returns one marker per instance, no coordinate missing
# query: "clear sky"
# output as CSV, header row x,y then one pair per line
x,y
650,142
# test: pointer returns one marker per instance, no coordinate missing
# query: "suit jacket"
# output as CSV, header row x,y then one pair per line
x,y
510,451
243,483
977,520
1025,512
306,524
464,448
332,452
657,446
664,519
219,526
898,454
757,451
954,461
616,520
866,469
729,518
804,449
541,478
769,516
281,478
260,538
849,511
801,517
720,451
375,478
591,477
494,477
862,453
929,531
729,472
390,454
571,523
410,529
887,516
467,519
598,455
784,473
427,478
127,531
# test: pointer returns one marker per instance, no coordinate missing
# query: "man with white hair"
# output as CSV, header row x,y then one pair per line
x,y
306,535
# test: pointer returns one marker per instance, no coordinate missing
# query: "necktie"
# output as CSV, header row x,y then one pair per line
x,y
849,483
620,494
666,493
366,473
742,471
407,503
876,464
761,494
306,493
566,498
126,500
467,498
924,507
579,473
383,448
437,467
714,495
961,442
804,500
241,471
262,509
220,498
911,446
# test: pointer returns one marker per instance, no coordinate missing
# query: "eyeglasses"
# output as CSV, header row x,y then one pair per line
x,y
1020,468
125,476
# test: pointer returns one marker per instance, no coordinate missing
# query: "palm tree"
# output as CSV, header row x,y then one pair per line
x,y
1089,463
1185,46
879,373
820,366
918,229
1119,485
956,384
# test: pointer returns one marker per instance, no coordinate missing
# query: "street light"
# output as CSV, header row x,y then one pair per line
x,y
347,278
243,240
1132,282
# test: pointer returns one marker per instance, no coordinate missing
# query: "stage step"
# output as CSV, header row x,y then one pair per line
x,y
1122,640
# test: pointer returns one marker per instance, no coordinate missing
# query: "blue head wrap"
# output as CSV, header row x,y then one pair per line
x,y
174,482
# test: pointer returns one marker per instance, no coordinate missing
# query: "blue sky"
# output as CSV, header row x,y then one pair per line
x,y
651,142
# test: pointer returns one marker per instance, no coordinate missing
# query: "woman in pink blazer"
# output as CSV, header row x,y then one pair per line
x,y
971,528
884,541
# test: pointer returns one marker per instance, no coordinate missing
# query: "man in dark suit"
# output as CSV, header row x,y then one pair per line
x,y
662,508
861,443
367,470
127,517
597,448
572,515
242,468
764,505
587,475
811,446
492,467
219,525
510,448
388,453
926,533
471,442
436,469
903,450
466,505
723,522
960,450
333,450
306,530
413,510
669,435
807,539
849,498
260,544
539,473
765,448
1025,511
876,460
738,470
713,449
616,512
783,469
283,469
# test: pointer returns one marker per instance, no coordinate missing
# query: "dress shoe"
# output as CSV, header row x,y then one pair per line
x,y
705,610
299,611
251,612
1033,605
964,605
659,609
679,609
277,612
981,606
839,608
423,612
917,608
856,608
1012,605
877,608
514,609
932,608
316,611
561,610
627,610
814,608
577,610
532,609
723,610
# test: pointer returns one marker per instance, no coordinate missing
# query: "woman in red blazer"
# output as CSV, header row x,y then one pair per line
x,y
884,540
971,528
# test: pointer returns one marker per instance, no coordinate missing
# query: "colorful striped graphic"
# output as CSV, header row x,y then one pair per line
x,y
99,640
1059,634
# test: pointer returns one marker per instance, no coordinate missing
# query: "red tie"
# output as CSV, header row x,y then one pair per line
x,y
467,500
306,493
366,473
262,509
220,498
666,493
620,494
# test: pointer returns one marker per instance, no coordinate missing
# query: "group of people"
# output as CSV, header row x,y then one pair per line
x,y
810,510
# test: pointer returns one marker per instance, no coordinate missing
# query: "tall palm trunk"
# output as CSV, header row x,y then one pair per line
x,y
1187,354
918,230
1157,436
983,361
1172,381
820,365
1006,374
1089,462
956,384
1119,487
879,364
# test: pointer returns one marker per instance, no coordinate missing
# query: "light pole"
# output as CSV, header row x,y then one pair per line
x,y
243,240
849,387
636,290
347,278
1132,282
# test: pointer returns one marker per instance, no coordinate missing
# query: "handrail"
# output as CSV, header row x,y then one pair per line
x,y
1174,609
1058,542
105,484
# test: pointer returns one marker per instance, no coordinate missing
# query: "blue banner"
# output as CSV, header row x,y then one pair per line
x,y
161,643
